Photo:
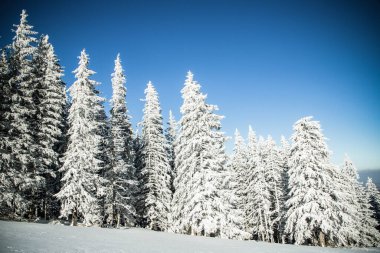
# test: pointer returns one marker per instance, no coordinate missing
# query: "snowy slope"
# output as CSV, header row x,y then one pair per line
x,y
32,237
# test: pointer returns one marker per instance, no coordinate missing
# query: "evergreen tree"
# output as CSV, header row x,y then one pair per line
x,y
249,185
138,164
81,183
121,176
346,203
374,199
260,217
363,220
200,161
50,99
274,176
284,155
155,171
5,100
105,158
170,135
6,186
240,166
23,170
311,216
234,197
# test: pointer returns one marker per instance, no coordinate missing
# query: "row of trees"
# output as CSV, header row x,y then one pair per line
x,y
66,158
32,123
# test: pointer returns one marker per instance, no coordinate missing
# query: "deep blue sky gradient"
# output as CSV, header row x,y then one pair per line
x,y
264,63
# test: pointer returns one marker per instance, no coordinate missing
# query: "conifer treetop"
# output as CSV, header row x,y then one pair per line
x,y
350,169
23,38
119,80
82,71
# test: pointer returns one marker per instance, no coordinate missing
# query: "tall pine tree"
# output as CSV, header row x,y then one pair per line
x,y
274,175
155,170
311,217
50,99
23,169
233,194
121,176
260,216
200,161
82,183
248,187
6,186
284,153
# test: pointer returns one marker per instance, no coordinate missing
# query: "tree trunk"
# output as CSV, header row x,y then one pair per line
x,y
114,215
322,240
45,209
118,220
74,219
14,208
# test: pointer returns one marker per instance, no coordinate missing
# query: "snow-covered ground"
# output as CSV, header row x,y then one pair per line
x,y
33,237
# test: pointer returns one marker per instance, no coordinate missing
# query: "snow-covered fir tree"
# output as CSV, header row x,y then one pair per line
x,y
240,166
248,187
171,135
374,199
23,170
346,204
81,183
121,176
311,216
138,164
274,176
362,216
5,95
260,217
233,192
50,98
155,171
105,158
284,153
200,160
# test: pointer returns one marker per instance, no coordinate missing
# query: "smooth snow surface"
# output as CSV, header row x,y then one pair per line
x,y
33,237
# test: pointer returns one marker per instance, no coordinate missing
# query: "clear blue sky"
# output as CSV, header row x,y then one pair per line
x,y
264,63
